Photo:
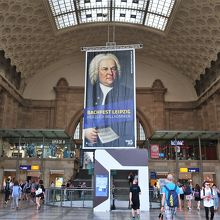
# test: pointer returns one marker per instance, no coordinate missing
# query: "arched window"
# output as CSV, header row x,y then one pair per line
x,y
78,131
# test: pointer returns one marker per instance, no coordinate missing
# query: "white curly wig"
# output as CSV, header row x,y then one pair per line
x,y
94,65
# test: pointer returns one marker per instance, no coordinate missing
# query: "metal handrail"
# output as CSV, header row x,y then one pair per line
x,y
69,197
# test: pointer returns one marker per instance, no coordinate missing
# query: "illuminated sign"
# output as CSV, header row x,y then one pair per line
x,y
193,170
153,175
101,185
25,167
189,170
177,143
35,167
183,170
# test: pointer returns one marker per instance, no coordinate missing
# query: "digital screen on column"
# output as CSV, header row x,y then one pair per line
x,y
101,185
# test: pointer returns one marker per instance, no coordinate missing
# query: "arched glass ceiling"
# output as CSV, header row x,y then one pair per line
x,y
149,13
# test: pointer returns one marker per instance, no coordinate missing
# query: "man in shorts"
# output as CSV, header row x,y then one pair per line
x,y
169,211
134,198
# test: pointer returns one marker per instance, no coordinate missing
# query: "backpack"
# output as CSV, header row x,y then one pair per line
x,y
187,191
197,194
204,192
172,200
7,186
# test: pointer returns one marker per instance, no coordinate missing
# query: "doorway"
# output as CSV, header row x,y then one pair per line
x,y
120,187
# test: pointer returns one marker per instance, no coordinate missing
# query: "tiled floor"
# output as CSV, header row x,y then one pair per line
x,y
28,211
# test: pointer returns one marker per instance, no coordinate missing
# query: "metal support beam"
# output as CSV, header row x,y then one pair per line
x,y
112,46
200,162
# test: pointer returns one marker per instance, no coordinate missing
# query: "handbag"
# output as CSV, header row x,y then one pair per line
x,y
160,216
39,191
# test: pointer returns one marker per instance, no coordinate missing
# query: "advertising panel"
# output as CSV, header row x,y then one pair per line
x,y
109,104
155,151
101,185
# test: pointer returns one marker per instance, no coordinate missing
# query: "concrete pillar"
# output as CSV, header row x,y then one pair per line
x,y
1,179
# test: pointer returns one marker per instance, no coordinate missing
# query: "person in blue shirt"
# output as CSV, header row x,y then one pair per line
x,y
169,211
16,193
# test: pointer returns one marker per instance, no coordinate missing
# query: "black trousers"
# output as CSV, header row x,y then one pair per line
x,y
7,194
207,212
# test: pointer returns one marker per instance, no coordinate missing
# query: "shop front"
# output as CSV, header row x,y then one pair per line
x,y
185,154
57,177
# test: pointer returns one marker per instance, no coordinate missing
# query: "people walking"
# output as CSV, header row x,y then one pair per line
x,y
16,193
189,194
207,194
130,178
155,191
26,189
83,192
7,190
170,198
216,198
134,198
197,196
181,187
39,194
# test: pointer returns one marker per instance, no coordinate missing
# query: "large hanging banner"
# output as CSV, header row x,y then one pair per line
x,y
110,102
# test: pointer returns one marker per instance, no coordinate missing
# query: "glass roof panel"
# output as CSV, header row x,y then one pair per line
x,y
127,15
86,4
61,6
65,20
150,13
132,4
155,21
94,15
161,7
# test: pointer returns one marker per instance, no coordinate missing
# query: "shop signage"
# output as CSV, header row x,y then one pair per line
x,y
193,170
154,151
35,167
153,175
161,155
25,167
58,141
183,170
177,143
189,170
101,185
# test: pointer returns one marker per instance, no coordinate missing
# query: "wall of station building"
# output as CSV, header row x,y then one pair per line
x,y
148,69
165,101
154,112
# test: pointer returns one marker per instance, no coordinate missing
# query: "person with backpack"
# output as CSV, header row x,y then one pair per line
x,y
207,194
26,189
7,190
16,193
170,198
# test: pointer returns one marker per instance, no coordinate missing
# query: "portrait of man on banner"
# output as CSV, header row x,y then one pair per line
x,y
109,106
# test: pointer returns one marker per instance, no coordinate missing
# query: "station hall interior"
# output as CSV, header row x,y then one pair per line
x,y
43,46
